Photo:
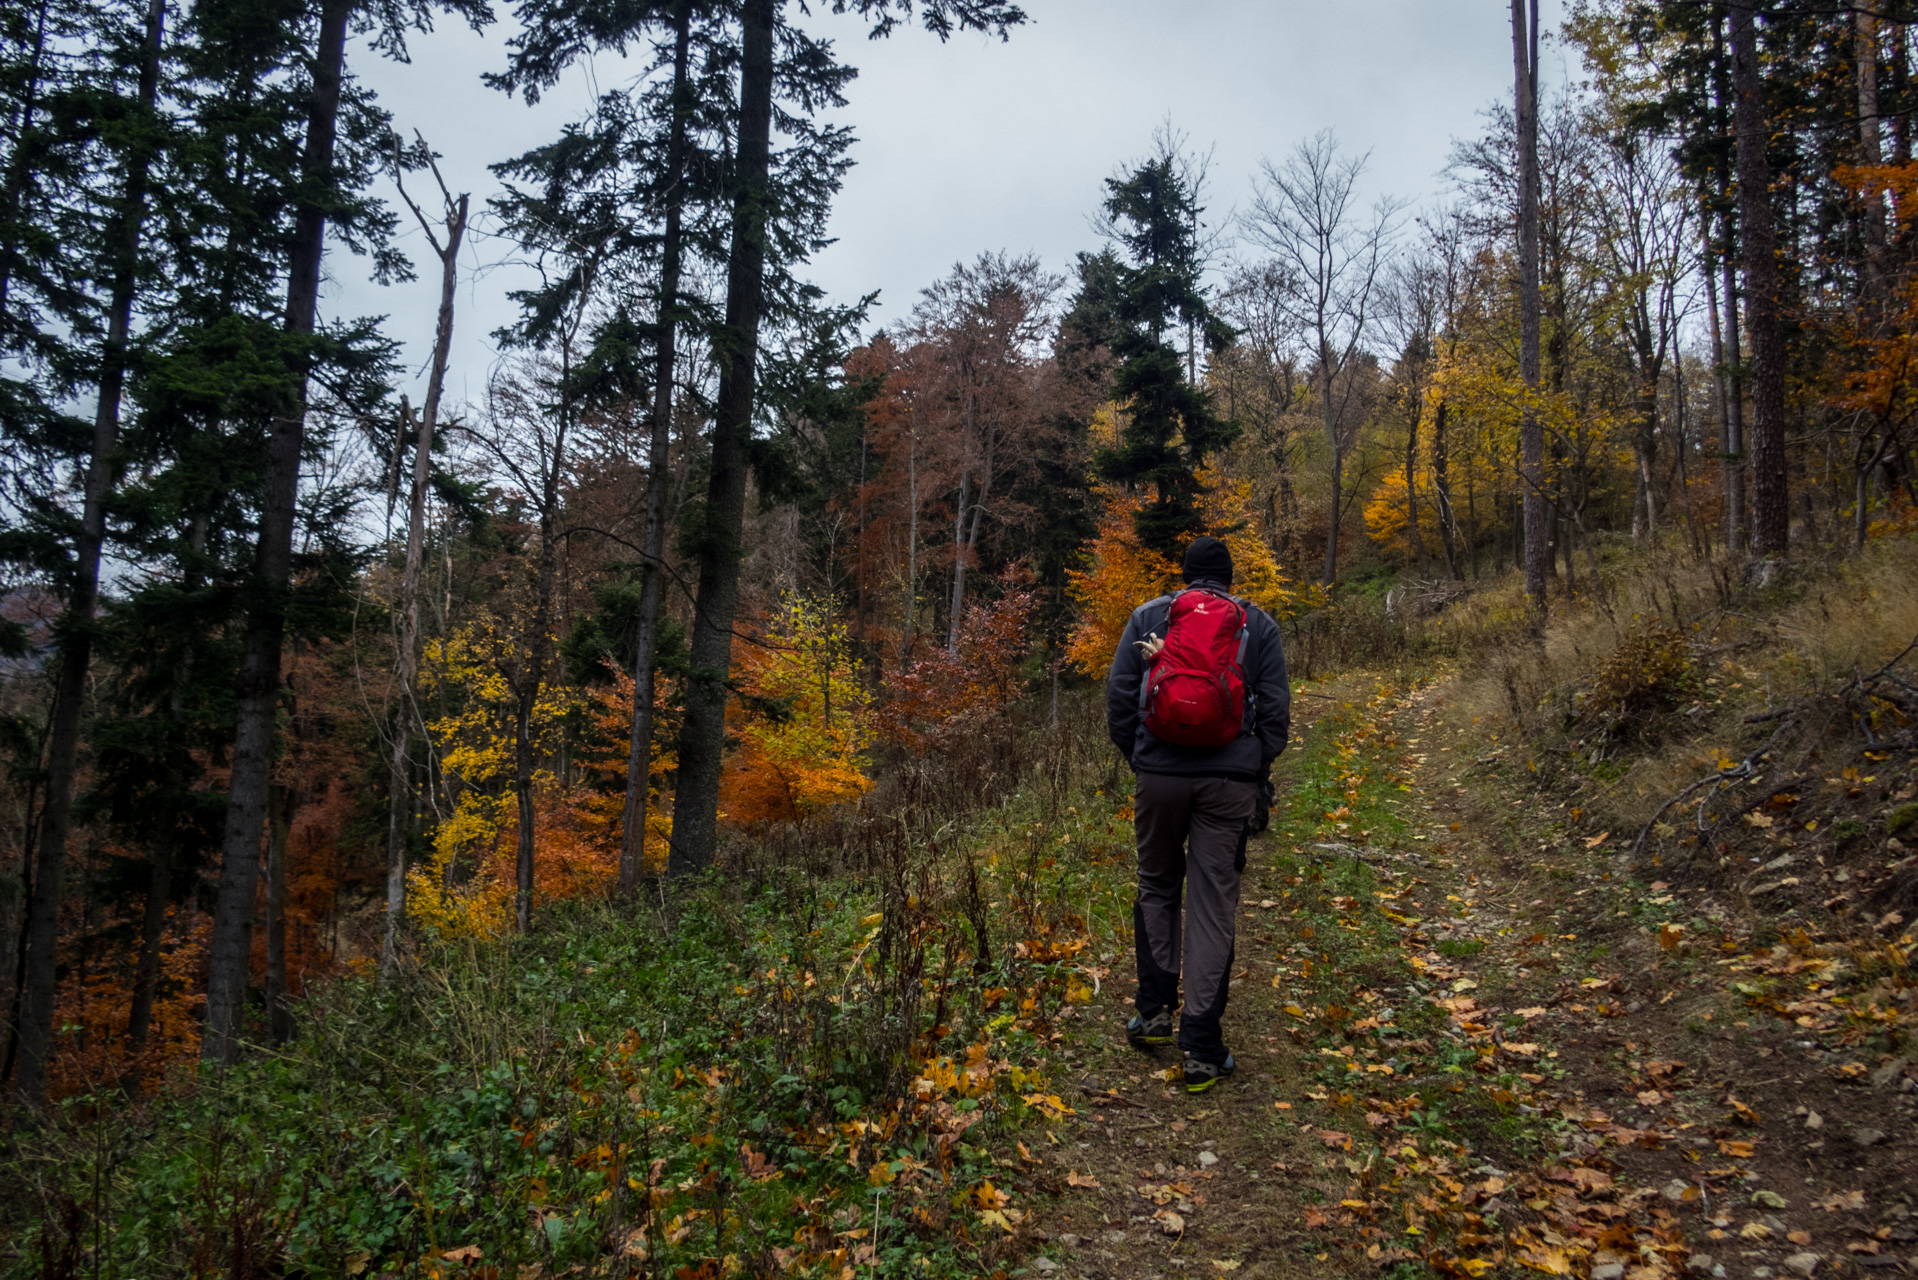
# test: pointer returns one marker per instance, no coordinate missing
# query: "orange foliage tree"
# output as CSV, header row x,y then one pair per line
x,y
945,691
803,718
1122,573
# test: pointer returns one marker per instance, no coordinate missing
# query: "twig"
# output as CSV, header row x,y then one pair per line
x,y
1112,1098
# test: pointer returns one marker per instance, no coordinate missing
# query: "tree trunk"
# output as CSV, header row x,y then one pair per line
x,y
75,629
532,677
1736,536
702,743
1411,480
281,805
639,754
1332,439
1645,447
259,681
399,817
1442,490
1771,495
165,846
958,564
912,542
1870,151
1531,433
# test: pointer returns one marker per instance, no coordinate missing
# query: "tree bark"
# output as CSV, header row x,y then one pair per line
x,y
912,539
702,743
1332,438
1531,432
1771,495
282,803
532,674
1411,478
259,681
639,755
958,564
1870,150
76,624
400,803
1442,490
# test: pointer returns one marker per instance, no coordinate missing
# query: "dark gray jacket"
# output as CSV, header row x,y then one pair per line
x,y
1251,754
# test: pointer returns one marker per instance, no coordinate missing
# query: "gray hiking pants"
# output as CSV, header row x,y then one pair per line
x,y
1191,832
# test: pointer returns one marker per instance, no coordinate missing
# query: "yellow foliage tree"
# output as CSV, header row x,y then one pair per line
x,y
803,717
464,887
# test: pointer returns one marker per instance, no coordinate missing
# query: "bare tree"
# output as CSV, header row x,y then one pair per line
x,y
1643,227
1330,262
1264,386
399,813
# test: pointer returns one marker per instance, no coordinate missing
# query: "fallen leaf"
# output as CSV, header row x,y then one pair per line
x,y
1551,1261
1598,840
1334,1138
1081,1180
465,1253
1170,1222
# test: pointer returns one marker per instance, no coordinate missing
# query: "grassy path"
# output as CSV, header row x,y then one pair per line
x,y
1470,1043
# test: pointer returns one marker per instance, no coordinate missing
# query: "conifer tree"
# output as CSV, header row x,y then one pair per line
x,y
755,200
325,190
1170,426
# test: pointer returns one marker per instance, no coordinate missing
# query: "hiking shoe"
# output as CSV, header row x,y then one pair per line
x,y
1200,1076
1144,1032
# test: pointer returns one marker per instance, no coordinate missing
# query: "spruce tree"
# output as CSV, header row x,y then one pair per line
x,y
1169,424
750,287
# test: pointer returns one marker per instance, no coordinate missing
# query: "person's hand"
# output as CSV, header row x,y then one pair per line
x,y
1262,806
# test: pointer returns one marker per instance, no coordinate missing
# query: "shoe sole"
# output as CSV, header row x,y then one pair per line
x,y
1203,1085
1150,1042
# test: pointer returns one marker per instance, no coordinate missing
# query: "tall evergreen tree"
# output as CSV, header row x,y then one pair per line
x,y
79,260
754,241
1170,427
325,190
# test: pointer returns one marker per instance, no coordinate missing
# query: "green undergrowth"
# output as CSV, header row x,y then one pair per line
x,y
781,1071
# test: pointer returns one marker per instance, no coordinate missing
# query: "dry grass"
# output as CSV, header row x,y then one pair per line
x,y
1573,690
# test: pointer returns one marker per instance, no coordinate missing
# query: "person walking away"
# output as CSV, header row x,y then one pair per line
x,y
1198,704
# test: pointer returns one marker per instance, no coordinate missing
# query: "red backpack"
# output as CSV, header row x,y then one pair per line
x,y
1193,694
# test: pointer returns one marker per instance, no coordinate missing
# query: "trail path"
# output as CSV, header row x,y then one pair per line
x,y
1470,1044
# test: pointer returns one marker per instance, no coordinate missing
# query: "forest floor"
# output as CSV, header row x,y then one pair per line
x,y
1471,1042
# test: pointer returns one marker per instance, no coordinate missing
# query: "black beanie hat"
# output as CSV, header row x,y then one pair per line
x,y
1208,558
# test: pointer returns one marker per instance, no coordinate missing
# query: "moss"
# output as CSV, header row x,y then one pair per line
x,y
1901,819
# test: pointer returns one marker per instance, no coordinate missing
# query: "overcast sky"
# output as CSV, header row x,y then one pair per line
x,y
978,145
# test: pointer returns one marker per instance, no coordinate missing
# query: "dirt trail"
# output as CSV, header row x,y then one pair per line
x,y
1470,1043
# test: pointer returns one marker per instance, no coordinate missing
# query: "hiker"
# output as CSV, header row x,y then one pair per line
x,y
1198,705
